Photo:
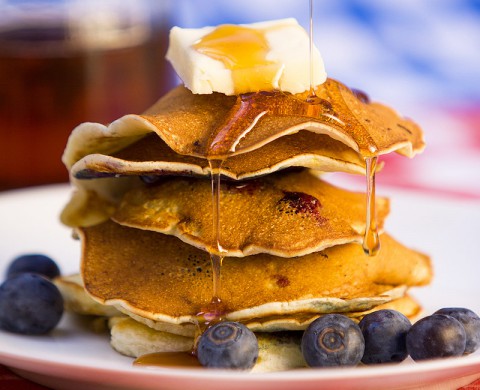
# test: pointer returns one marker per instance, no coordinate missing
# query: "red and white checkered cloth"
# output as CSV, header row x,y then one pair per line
x,y
472,386
450,164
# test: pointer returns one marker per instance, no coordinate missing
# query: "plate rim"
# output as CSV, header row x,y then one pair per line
x,y
301,376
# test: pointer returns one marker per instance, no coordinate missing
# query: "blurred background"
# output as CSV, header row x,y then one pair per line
x,y
65,62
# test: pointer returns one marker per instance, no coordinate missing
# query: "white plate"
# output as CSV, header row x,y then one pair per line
x,y
74,358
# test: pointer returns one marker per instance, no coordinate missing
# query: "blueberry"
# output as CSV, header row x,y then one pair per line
x,y
29,304
385,333
471,323
228,345
332,340
36,263
436,336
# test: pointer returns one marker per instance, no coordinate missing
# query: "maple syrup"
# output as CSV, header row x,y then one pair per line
x,y
168,359
214,309
371,241
249,108
312,96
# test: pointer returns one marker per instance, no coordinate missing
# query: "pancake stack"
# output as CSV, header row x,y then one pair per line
x,y
291,242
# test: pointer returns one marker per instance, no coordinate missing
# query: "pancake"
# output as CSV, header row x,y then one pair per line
x,y
298,322
189,124
163,279
184,123
276,351
95,202
92,202
152,156
294,214
290,322
78,301
132,338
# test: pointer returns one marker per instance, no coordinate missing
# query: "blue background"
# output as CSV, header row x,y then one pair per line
x,y
401,52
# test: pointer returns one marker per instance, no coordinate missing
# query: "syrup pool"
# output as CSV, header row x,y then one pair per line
x,y
168,359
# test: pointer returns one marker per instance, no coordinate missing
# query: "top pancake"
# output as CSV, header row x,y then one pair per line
x,y
207,125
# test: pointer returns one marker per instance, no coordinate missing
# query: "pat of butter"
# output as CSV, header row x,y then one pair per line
x,y
234,59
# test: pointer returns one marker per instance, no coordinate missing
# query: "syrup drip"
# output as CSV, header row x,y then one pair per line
x,y
214,310
312,96
371,241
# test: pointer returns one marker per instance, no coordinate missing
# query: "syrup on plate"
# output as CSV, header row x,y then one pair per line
x,y
168,359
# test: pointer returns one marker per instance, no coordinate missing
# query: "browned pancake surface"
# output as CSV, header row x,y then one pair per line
x,y
161,278
369,128
286,215
152,156
190,124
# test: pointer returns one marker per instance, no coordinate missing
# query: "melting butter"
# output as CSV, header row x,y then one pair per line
x,y
244,51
